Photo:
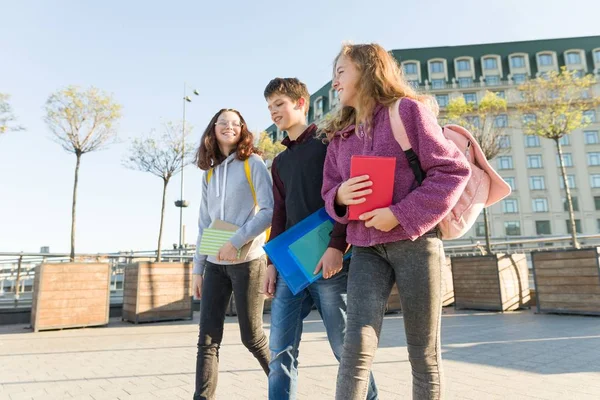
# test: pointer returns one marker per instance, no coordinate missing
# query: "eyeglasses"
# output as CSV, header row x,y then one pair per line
x,y
236,124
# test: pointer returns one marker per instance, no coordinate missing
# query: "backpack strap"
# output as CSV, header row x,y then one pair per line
x,y
209,174
249,178
402,138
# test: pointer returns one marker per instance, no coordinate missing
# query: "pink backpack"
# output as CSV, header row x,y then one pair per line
x,y
484,188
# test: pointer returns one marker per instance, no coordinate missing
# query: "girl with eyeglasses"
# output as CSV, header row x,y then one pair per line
x,y
236,189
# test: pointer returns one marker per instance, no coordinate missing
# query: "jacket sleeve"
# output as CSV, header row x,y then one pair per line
x,y
203,222
332,179
446,172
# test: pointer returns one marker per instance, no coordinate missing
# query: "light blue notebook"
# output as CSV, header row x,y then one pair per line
x,y
308,250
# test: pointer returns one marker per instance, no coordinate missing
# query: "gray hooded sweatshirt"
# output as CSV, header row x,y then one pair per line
x,y
228,197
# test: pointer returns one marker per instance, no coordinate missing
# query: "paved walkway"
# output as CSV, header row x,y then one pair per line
x,y
517,355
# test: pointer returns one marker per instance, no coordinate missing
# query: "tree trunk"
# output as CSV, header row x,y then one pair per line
x,y
162,218
563,172
76,181
488,246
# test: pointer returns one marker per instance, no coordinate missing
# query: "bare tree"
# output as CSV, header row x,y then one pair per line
x,y
7,118
487,121
553,106
162,155
82,122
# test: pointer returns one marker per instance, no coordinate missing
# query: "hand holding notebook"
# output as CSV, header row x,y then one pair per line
x,y
381,171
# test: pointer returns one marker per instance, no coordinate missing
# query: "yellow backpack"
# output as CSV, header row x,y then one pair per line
x,y
209,174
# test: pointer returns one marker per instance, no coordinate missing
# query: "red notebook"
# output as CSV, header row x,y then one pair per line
x,y
381,171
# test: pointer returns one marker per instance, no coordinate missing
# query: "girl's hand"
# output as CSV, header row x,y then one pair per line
x,y
227,253
197,286
353,191
381,219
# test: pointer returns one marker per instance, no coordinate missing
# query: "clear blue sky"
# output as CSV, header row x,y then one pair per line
x,y
143,51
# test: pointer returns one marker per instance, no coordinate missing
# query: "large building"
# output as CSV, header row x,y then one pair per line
x,y
529,163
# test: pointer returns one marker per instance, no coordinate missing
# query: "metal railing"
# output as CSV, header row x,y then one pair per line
x,y
17,270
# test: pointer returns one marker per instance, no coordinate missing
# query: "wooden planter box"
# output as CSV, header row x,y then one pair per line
x,y
157,292
393,304
567,281
497,282
70,295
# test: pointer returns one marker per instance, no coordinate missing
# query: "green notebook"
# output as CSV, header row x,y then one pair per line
x,y
308,250
212,240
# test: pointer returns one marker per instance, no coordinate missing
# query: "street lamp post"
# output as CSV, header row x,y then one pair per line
x,y
181,203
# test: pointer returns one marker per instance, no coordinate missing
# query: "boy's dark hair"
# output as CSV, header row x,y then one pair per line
x,y
290,87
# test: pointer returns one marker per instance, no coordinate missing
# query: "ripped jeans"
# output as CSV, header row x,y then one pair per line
x,y
287,315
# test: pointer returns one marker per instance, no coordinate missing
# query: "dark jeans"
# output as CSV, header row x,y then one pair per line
x,y
416,268
219,281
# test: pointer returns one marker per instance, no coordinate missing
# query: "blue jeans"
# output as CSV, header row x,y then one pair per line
x,y
288,312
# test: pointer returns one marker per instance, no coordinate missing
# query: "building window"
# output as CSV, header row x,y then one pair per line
x,y
438,83
504,142
532,141
593,158
537,183
542,227
517,61
598,225
492,80
501,121
410,68
591,137
534,161
318,108
597,56
474,120
490,63
589,116
577,226
470,97
570,180
465,82
501,94
463,65
595,180
597,202
511,182
529,119
519,78
506,162
565,140
540,205
567,159
512,228
573,58
575,202
436,67
510,206
442,99
545,59
480,229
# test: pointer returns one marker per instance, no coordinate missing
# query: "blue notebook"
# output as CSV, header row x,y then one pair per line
x,y
296,252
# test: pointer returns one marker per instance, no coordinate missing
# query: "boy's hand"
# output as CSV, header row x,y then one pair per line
x,y
270,282
381,219
197,286
331,263
353,191
227,253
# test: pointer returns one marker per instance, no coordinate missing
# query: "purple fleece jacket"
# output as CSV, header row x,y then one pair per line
x,y
418,209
